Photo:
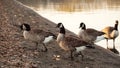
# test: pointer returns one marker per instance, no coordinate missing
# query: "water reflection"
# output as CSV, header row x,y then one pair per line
x,y
73,5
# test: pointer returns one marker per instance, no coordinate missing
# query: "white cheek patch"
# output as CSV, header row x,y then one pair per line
x,y
24,27
48,39
82,25
81,48
61,26
99,38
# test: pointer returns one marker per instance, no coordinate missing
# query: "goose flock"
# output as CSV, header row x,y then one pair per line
x,y
86,38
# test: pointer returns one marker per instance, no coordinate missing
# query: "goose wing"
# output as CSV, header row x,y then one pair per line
x,y
75,42
108,30
43,33
94,32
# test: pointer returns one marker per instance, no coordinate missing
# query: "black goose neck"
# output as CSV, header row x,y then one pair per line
x,y
116,27
28,29
62,30
84,27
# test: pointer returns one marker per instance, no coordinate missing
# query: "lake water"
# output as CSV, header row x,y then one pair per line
x,y
95,14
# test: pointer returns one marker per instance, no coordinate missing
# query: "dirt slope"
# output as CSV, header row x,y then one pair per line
x,y
15,52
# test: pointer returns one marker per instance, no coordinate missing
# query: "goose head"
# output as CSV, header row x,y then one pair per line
x,y
59,25
116,25
25,26
82,26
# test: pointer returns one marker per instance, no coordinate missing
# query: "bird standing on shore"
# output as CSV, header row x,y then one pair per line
x,y
71,44
90,35
111,33
37,35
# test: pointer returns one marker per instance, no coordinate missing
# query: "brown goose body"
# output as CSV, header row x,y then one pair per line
x,y
89,34
111,33
71,44
37,36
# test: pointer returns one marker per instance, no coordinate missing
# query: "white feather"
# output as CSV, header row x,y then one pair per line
x,y
26,34
114,33
48,39
60,37
61,26
80,32
99,38
81,48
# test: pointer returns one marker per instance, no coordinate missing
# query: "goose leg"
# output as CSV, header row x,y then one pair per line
x,y
107,43
115,50
81,55
71,55
113,43
45,48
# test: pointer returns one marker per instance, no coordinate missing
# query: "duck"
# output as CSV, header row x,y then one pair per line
x,y
37,36
89,34
111,33
71,44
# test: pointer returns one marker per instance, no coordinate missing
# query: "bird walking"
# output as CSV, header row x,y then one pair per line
x,y
111,33
71,44
90,35
37,36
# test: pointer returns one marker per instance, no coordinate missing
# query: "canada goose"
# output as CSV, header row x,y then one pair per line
x,y
90,35
37,35
111,33
71,44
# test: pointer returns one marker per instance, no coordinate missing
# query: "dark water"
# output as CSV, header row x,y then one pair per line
x,y
73,5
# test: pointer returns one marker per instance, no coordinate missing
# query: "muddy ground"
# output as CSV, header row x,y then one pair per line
x,y
15,52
